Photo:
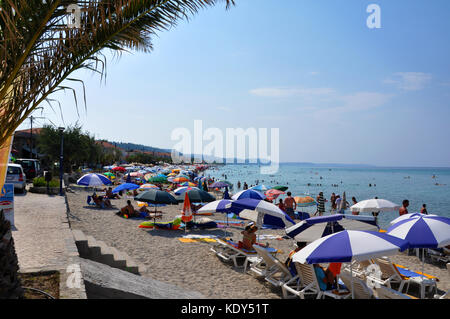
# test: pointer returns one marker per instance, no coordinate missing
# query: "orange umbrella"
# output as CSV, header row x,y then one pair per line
x,y
179,180
186,215
307,200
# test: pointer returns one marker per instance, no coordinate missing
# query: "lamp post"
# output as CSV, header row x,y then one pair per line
x,y
61,158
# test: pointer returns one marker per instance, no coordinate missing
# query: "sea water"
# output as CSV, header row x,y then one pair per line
x,y
430,186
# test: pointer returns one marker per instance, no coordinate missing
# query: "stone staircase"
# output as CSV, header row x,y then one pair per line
x,y
98,251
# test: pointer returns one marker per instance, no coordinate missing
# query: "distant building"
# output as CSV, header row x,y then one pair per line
x,y
25,143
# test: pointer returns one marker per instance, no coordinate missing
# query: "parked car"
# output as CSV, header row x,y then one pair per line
x,y
31,167
15,175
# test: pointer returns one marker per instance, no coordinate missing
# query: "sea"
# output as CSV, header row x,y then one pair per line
x,y
430,186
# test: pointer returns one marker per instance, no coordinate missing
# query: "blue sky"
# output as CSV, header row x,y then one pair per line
x,y
338,91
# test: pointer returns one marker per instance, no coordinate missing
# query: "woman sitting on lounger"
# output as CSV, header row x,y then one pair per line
x,y
326,278
249,237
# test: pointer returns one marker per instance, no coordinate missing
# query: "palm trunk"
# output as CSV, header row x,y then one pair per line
x,y
10,286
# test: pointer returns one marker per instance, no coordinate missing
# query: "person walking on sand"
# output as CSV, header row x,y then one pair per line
x,y
290,205
404,209
320,204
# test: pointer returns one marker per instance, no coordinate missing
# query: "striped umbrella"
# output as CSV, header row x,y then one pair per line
x,y
180,180
181,190
188,184
248,193
93,179
407,216
423,231
261,212
218,206
314,228
148,186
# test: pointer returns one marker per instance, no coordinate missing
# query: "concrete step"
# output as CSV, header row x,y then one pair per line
x,y
81,242
99,251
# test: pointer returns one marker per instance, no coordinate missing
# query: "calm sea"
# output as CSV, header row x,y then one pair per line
x,y
418,185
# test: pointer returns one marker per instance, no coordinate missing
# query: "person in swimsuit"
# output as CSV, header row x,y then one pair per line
x,y
249,237
290,205
404,209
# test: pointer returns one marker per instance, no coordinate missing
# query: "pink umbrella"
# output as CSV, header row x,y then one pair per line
x,y
272,194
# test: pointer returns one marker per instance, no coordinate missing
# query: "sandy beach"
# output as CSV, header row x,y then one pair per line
x,y
192,265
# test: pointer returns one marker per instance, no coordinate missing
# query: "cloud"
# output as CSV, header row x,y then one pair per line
x,y
314,73
275,92
410,81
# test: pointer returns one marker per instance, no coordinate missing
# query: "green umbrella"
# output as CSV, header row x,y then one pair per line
x,y
281,188
157,179
109,174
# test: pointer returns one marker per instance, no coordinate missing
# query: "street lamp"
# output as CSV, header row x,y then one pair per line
x,y
61,158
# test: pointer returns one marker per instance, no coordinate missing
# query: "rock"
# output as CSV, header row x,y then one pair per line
x,y
104,282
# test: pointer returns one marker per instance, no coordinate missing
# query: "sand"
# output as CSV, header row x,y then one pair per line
x,y
192,265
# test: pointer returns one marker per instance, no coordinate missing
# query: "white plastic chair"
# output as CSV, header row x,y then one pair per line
x,y
275,272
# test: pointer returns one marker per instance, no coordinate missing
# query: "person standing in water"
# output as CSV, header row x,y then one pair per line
x,y
290,205
424,209
320,204
404,209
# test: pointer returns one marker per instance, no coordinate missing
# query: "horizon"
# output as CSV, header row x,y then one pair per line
x,y
317,72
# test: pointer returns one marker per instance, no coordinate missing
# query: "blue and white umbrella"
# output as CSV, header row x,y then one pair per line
x,y
219,206
248,193
314,228
93,180
182,190
423,231
407,216
350,245
261,212
125,187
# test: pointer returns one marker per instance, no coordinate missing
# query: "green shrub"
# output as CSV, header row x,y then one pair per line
x,y
40,182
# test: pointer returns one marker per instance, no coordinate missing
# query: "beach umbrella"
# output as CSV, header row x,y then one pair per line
x,y
155,196
182,190
272,194
261,188
218,206
128,178
197,196
125,187
314,228
261,212
183,176
180,180
350,245
148,186
248,193
305,201
423,231
188,184
93,179
374,205
281,188
157,179
109,174
136,174
119,169
219,185
408,216
186,215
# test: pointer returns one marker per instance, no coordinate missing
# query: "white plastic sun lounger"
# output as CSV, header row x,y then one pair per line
x,y
306,283
360,288
275,271
389,274
228,250
388,293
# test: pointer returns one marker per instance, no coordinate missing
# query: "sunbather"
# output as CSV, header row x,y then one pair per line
x,y
289,264
326,278
129,210
249,237
110,194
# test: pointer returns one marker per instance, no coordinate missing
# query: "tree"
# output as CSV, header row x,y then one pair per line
x,y
39,50
79,148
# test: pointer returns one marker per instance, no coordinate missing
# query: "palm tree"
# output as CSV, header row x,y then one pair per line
x,y
39,50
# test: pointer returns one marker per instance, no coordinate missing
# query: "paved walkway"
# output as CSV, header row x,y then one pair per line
x,y
43,239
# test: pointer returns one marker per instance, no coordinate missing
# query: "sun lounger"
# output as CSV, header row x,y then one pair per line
x,y
441,255
274,272
228,250
306,283
360,288
447,294
390,274
388,293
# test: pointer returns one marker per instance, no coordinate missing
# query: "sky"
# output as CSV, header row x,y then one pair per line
x,y
338,91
